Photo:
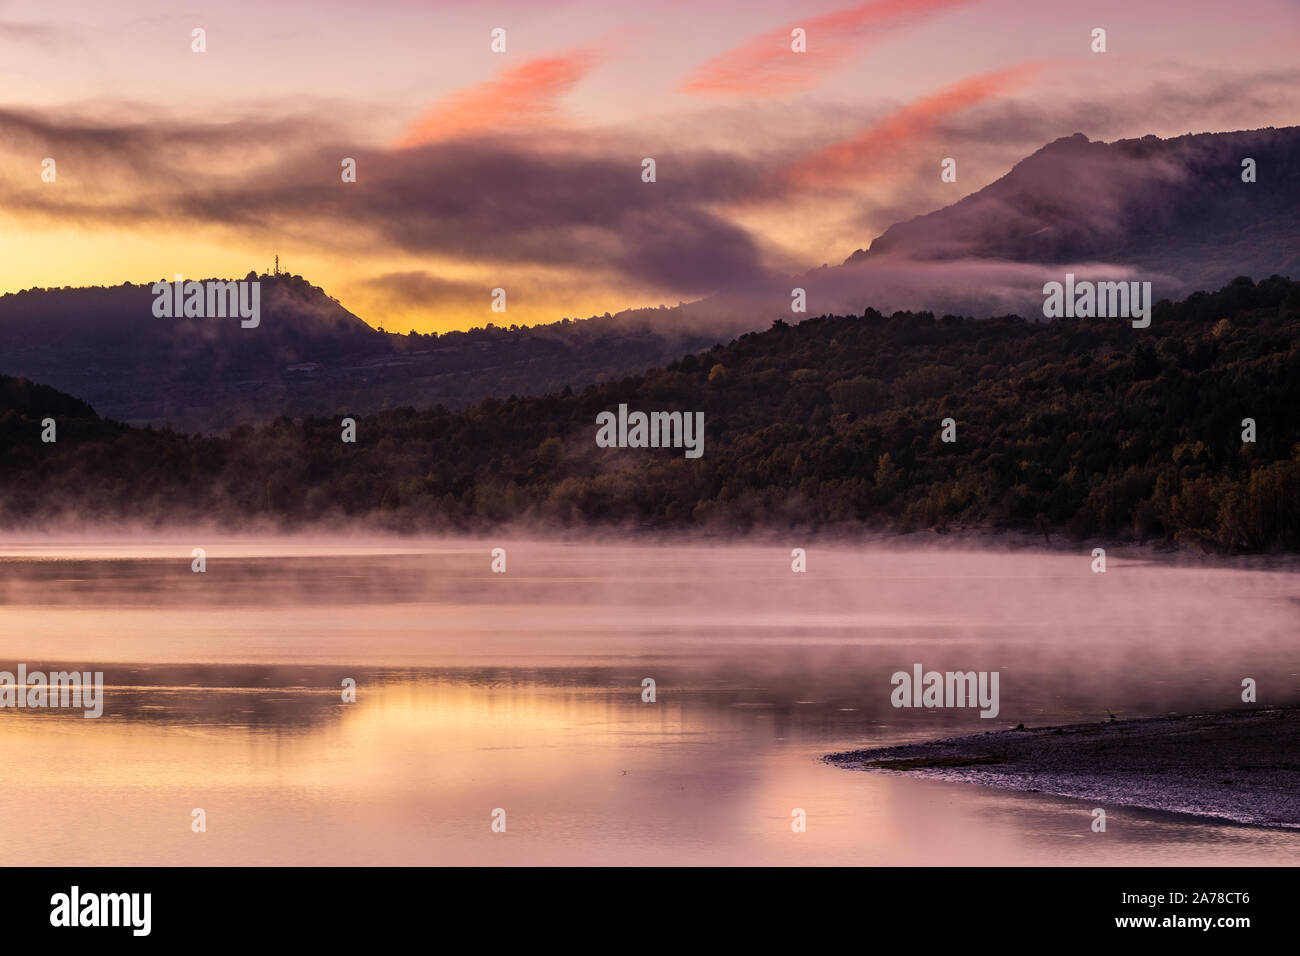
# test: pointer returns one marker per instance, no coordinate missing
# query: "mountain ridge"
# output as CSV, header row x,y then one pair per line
x,y
1081,426
1172,210
1185,182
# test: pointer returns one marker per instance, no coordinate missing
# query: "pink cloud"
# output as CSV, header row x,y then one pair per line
x,y
523,96
864,156
766,66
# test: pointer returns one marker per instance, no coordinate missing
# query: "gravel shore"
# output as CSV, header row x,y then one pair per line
x,y
1242,766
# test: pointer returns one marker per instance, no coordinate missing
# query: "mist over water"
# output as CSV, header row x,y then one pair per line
x,y
523,691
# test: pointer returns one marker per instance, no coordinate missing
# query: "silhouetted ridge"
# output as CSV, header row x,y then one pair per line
x,y
1082,425
1175,206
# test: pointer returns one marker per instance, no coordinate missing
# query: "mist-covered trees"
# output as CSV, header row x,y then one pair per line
x,y
1083,425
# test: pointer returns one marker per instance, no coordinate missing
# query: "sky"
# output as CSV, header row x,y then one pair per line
x,y
523,169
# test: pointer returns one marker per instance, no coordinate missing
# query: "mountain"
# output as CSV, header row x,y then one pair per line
x,y
306,356
107,346
1081,426
1174,212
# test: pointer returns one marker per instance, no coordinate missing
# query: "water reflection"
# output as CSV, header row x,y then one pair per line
x,y
523,691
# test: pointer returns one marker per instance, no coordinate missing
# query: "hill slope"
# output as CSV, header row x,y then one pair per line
x,y
1083,425
1175,211
308,356
1172,211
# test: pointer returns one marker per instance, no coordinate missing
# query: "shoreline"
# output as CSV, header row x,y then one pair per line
x,y
110,534
1238,766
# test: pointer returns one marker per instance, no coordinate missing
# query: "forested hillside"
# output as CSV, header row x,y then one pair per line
x,y
1083,426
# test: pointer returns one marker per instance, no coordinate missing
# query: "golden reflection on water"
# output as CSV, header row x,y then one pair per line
x,y
475,693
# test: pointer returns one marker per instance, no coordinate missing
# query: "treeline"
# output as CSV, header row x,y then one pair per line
x,y
309,355
1083,426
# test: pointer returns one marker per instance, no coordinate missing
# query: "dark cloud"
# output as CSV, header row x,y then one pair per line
x,y
575,201
489,200
416,287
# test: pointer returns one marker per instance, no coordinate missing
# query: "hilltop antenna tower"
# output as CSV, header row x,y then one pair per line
x,y
277,265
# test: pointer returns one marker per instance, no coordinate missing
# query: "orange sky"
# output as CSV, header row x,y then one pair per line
x,y
522,169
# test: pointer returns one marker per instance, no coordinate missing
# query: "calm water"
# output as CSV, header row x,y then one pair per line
x,y
523,691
